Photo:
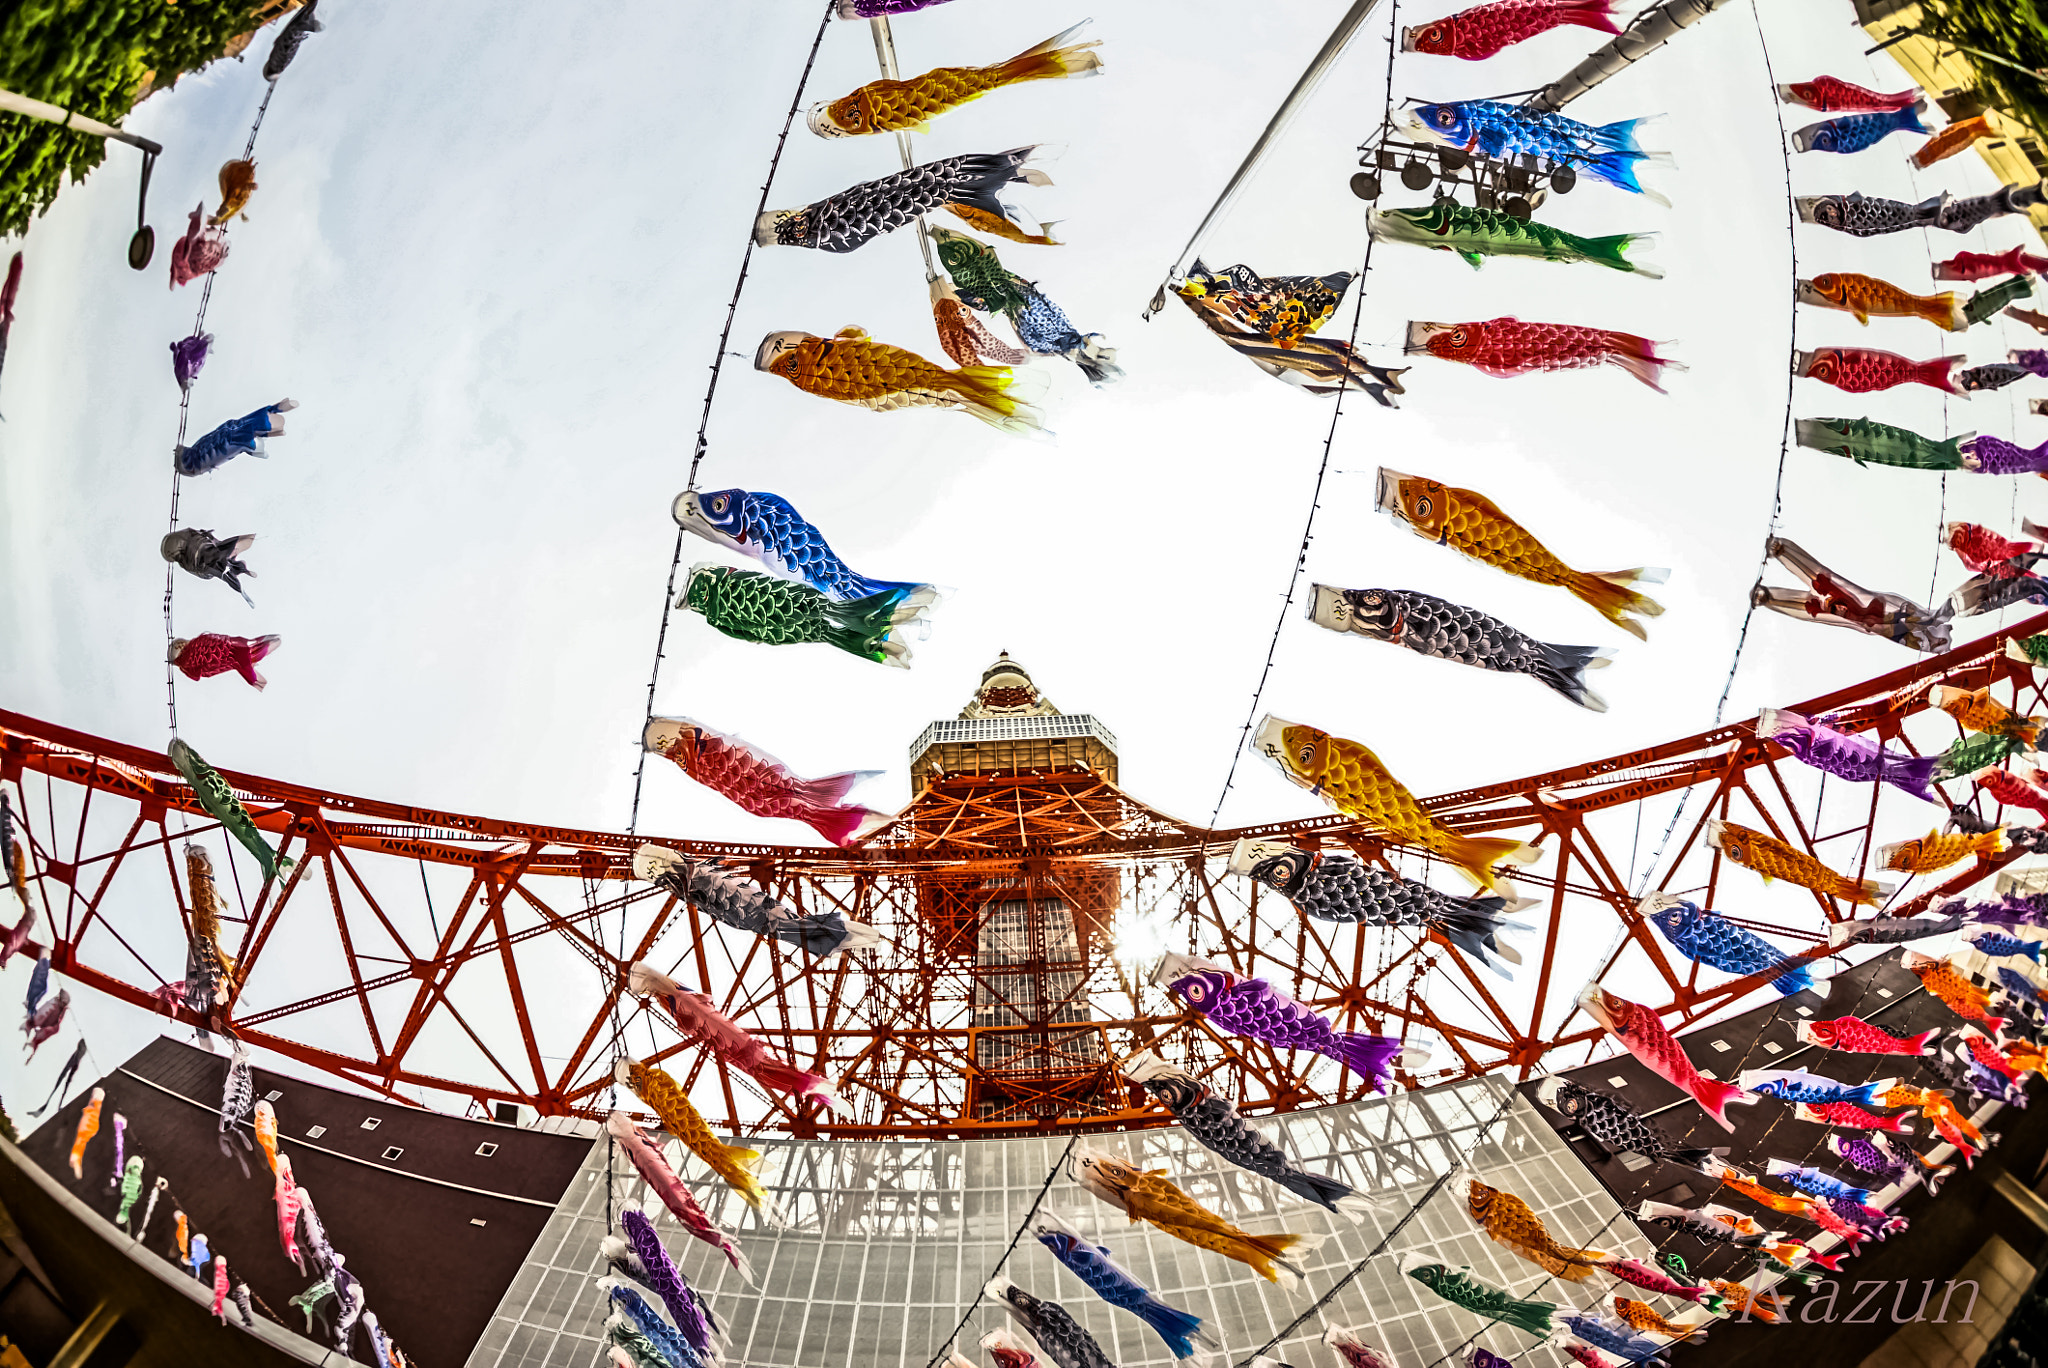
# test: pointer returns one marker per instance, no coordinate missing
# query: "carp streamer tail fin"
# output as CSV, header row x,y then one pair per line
x,y
1638,356
870,626
1474,926
831,789
1610,595
1476,856
1797,978
1180,1329
1564,669
1613,250
839,825
1716,1097
1001,397
1368,1055
1619,169
1268,1256
1055,58
1592,14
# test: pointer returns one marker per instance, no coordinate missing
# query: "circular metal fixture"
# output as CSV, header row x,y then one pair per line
x,y
142,247
1417,176
1516,207
1365,185
1563,178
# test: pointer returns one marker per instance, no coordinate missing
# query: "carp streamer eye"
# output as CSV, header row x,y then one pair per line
x,y
1446,119
1457,337
1422,507
1308,755
718,504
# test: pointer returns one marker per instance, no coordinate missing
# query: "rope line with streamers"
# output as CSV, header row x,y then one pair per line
x,y
668,594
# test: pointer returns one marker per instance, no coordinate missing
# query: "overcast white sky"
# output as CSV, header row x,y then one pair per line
x,y
489,257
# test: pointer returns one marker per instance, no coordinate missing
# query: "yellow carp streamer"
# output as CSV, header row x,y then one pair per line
x,y
1976,710
1150,1197
237,183
653,1085
852,369
1925,854
890,106
1351,779
1773,859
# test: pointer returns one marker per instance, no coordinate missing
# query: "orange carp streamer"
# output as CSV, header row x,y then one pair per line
x,y
890,106
1148,1196
1773,859
1511,1222
852,369
237,184
1470,523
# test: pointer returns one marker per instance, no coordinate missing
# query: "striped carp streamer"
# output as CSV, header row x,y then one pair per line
x,y
1350,778
1268,321
1506,347
661,1180
768,528
760,783
748,605
911,105
1837,601
1772,858
702,1023
1148,1196
1508,1220
1254,1008
981,281
744,905
1472,524
1335,886
965,185
653,1085
1214,1123
851,369
1443,630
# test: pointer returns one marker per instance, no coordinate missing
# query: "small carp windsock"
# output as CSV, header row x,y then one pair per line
x,y
1865,297
1865,441
1351,779
264,1124
46,1021
1510,1222
1460,1287
1977,711
962,334
661,1180
1644,1036
1712,939
212,653
199,553
200,251
1832,95
1961,996
1772,858
983,282
663,1347
1471,523
1615,1126
1855,132
1338,887
1444,630
748,605
1861,370
966,186
1936,850
1093,1265
285,1192
1608,153
1476,234
1639,1274
1254,1008
737,1166
88,1127
850,368
1507,347
235,437
744,905
1268,321
213,794
1799,1085
1150,1197
700,1020
131,1190
1644,1319
1854,1035
1214,1123
14,874
302,26
692,1317
768,528
760,783
1477,33
1353,1351
1049,1330
892,106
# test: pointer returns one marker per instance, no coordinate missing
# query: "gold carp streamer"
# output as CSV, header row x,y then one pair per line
x,y
1773,859
1150,1197
852,369
911,105
653,1085
1509,1221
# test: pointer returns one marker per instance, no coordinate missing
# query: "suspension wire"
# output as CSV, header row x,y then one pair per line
x,y
981,1293
1322,470
177,478
668,594
1507,1101
1784,441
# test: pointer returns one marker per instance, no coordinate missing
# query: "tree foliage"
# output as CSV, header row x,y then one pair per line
x,y
2015,30
92,57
